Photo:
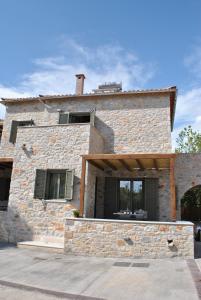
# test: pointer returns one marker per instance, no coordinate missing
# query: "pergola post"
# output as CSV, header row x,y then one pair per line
x,y
172,190
82,186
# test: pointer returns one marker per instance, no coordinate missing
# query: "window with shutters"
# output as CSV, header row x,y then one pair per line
x,y
77,117
54,184
14,125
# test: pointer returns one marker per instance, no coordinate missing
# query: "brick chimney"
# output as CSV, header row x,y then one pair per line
x,y
79,84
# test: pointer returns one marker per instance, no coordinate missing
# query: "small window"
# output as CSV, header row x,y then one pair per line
x,y
76,118
14,125
79,118
54,184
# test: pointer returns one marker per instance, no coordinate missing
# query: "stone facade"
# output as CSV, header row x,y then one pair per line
x,y
126,124
46,148
137,239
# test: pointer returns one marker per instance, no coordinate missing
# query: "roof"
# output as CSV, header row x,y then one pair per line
x,y
171,91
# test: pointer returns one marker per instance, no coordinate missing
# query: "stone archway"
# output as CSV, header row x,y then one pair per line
x,y
191,204
187,175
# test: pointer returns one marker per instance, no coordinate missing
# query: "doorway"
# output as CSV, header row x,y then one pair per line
x,y
5,178
130,194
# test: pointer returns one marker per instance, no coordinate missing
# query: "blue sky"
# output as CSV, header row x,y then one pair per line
x,y
144,44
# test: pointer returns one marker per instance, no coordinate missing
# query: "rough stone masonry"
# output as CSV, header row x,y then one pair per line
x,y
137,239
123,124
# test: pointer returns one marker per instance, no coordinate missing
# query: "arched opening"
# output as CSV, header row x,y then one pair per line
x,y
191,204
191,211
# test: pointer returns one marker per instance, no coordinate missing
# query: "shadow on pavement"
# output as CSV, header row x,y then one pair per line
x,y
4,245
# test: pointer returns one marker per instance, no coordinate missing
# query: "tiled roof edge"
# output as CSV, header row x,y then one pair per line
x,y
130,92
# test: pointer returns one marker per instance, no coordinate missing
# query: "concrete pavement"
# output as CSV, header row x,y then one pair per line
x,y
30,273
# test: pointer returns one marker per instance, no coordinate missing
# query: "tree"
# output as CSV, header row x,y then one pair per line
x,y
192,198
188,141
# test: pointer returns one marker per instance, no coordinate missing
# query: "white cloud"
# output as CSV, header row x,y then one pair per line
x,y
188,111
55,75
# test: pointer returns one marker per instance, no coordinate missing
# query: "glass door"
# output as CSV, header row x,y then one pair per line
x,y
125,203
137,195
131,195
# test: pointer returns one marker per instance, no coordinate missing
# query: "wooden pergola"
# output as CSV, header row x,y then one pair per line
x,y
131,162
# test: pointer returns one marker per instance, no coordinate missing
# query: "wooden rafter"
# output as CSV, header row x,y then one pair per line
x,y
6,159
129,156
140,165
95,164
155,164
109,164
125,165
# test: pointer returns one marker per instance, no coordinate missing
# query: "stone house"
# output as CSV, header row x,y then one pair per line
x,y
107,154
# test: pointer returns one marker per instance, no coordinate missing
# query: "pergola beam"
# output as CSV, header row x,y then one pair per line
x,y
96,165
155,164
109,164
129,156
125,165
140,165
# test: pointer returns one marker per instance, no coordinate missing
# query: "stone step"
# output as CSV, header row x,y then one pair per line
x,y
42,246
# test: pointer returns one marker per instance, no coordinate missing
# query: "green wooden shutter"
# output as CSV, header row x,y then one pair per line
x,y
92,117
69,184
40,184
151,198
64,118
110,199
13,132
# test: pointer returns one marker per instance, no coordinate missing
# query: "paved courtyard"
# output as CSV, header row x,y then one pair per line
x,y
31,274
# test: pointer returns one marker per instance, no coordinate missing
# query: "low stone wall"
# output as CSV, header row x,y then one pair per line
x,y
137,239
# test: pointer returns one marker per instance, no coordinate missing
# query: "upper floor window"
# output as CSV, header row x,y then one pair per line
x,y
77,117
14,125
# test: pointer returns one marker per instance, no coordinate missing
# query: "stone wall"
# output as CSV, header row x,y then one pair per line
x,y
137,239
96,146
129,124
47,147
97,142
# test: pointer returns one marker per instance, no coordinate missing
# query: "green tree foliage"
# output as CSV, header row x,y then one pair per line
x,y
192,198
188,141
